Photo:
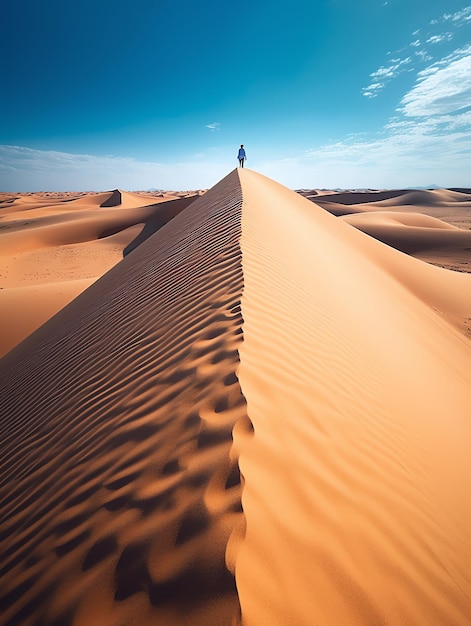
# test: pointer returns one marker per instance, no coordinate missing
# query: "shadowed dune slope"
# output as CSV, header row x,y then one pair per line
x,y
358,385
355,197
119,486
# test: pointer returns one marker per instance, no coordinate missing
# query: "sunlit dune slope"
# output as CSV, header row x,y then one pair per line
x,y
358,384
119,489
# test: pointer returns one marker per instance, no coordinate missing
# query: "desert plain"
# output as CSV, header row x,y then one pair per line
x,y
238,406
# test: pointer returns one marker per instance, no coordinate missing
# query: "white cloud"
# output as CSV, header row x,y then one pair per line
x,y
372,90
214,126
462,16
392,70
423,56
420,50
409,154
26,169
429,141
440,38
444,87
383,74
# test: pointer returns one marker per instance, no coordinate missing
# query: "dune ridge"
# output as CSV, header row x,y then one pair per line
x,y
358,387
120,489
260,416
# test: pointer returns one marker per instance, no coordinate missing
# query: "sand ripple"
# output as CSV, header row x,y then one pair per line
x,y
120,489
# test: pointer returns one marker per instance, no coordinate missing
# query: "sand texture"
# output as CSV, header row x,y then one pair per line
x,y
119,487
259,417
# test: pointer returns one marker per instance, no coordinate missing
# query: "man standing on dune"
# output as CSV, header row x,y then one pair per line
x,y
241,156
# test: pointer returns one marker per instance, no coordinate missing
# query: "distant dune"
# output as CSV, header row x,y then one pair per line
x,y
51,249
259,416
433,225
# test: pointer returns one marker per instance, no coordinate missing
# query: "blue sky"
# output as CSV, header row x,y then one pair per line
x,y
160,93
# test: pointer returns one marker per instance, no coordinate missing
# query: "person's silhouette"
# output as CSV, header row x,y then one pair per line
x,y
241,156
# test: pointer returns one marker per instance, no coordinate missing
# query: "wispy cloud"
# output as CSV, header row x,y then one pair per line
x,y
423,56
383,74
440,38
462,16
444,87
419,150
392,70
372,90
405,154
430,133
214,126
420,50
27,169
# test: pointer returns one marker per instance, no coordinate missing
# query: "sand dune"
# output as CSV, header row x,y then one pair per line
x,y
339,210
415,233
44,246
392,197
24,309
254,331
81,220
357,197
425,197
391,218
359,391
411,221
121,488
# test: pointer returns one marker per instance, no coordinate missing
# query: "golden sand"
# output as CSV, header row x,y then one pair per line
x,y
260,416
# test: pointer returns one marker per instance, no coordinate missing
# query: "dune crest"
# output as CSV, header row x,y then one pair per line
x,y
113,200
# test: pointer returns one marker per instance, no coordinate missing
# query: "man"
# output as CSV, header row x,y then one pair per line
x,y
241,156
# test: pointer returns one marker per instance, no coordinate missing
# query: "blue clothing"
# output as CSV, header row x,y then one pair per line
x,y
241,154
